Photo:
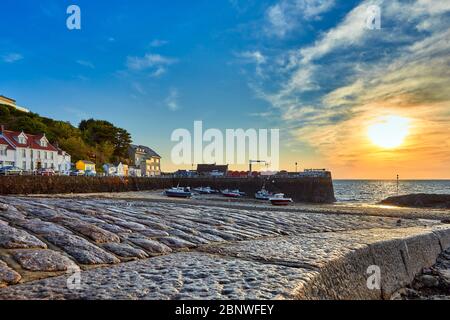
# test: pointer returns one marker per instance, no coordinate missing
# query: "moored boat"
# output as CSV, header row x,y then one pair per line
x,y
263,194
206,190
232,193
179,192
279,200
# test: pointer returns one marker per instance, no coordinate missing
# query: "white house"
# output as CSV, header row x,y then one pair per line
x,y
64,162
30,152
135,172
114,170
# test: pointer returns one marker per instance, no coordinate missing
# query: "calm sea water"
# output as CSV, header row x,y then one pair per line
x,y
373,191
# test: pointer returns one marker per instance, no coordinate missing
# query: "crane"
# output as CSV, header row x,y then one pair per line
x,y
251,162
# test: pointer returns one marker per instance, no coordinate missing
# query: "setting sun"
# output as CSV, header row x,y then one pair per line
x,y
389,131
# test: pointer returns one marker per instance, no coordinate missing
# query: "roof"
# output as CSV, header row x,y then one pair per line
x,y
6,98
86,161
206,168
31,142
148,151
4,142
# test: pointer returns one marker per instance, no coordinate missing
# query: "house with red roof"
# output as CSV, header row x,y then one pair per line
x,y
30,152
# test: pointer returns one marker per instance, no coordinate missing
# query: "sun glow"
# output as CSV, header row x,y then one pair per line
x,y
389,132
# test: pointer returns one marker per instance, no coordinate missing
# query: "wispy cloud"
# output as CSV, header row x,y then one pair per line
x,y
287,15
138,88
172,100
330,90
252,57
12,57
155,63
158,43
85,63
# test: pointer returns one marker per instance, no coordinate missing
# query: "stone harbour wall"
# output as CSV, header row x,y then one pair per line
x,y
314,190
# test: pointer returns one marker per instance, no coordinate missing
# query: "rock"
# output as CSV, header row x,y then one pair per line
x,y
43,260
151,246
3,207
12,238
428,281
93,232
125,250
81,250
176,243
154,233
445,277
7,275
420,200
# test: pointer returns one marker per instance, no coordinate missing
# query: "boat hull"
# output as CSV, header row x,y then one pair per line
x,y
231,195
280,202
171,194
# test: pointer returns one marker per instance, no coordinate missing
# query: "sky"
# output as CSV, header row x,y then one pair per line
x,y
311,68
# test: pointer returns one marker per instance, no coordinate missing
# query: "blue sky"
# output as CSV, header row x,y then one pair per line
x,y
308,67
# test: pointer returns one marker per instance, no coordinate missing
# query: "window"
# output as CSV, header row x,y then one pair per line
x,y
24,165
24,153
3,151
32,153
45,155
51,155
22,140
39,155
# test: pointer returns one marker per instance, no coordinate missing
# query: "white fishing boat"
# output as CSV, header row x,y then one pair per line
x,y
179,192
232,193
206,190
263,194
279,200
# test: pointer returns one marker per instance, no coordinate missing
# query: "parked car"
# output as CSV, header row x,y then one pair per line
x,y
90,173
46,172
11,171
77,173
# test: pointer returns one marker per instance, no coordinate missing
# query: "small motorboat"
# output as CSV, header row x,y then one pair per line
x,y
179,192
279,200
232,193
206,190
263,194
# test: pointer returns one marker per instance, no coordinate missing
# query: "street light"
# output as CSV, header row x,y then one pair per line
x,y
296,164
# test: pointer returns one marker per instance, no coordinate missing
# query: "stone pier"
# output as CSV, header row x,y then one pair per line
x,y
134,249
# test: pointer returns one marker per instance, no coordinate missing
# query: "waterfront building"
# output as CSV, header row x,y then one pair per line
x,y
146,159
85,165
12,103
117,170
30,152
212,170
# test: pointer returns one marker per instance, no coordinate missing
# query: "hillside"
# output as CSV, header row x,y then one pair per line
x,y
96,140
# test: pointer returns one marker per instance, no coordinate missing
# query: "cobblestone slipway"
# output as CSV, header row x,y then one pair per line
x,y
133,249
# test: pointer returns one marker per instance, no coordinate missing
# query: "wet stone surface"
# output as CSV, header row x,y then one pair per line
x,y
432,284
7,275
43,260
12,238
180,250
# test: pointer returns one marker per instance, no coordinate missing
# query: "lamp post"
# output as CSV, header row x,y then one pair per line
x,y
296,164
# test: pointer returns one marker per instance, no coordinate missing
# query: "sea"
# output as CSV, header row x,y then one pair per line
x,y
373,191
